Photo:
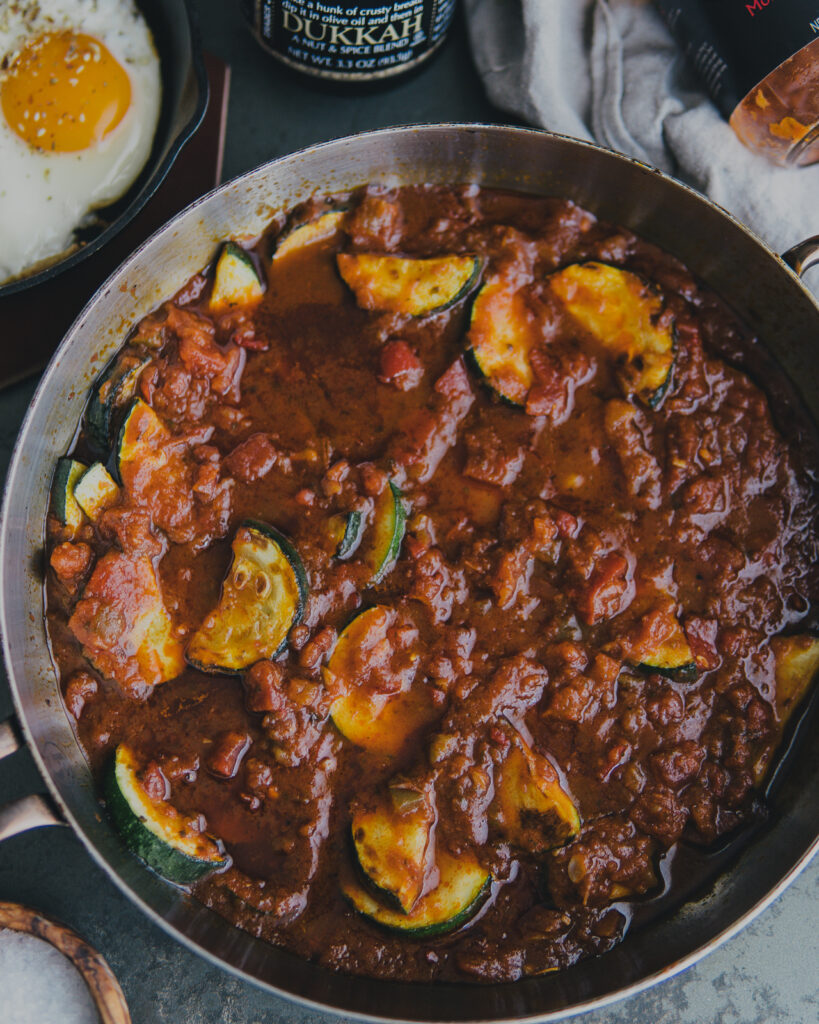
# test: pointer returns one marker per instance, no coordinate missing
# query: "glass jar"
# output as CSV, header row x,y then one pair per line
x,y
759,60
363,42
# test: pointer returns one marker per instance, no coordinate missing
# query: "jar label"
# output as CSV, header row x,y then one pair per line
x,y
735,44
366,40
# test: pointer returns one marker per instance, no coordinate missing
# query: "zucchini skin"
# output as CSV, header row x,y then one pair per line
x,y
350,268
353,532
531,809
471,360
686,673
659,643
424,922
236,281
796,660
655,400
232,666
469,285
616,285
166,860
392,846
113,388
390,526
123,449
292,557
672,658
310,231
796,666
380,724
95,491
484,325
63,503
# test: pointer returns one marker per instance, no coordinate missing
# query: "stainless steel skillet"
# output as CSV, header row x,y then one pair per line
x,y
759,285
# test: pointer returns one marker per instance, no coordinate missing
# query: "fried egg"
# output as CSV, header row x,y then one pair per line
x,y
79,103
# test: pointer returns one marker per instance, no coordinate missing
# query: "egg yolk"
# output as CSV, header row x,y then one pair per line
x,y
64,92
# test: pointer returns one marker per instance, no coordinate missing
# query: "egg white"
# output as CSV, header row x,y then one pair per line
x,y
43,195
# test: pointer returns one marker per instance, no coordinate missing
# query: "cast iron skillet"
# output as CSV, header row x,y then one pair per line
x,y
758,284
184,99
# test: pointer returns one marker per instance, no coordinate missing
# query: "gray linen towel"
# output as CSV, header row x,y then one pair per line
x,y
609,71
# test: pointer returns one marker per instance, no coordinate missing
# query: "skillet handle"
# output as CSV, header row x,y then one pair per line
x,y
28,812
803,255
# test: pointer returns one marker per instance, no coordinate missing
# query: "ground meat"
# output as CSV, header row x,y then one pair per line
x,y
80,689
607,591
376,223
556,377
154,782
71,562
427,436
609,860
678,764
490,460
132,530
264,687
186,499
658,813
254,458
510,578
113,621
437,584
195,373
228,750
640,469
313,653
516,686
582,638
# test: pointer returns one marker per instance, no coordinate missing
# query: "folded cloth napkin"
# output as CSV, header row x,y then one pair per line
x,y
609,71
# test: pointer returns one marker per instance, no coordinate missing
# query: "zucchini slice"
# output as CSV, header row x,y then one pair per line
x,y
153,829
672,657
392,840
382,723
501,336
661,646
656,642
673,664
414,287
324,226
63,503
796,665
140,439
123,625
263,597
387,534
463,887
236,281
347,530
95,491
114,388
531,809
623,313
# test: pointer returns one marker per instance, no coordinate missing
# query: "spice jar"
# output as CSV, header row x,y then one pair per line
x,y
361,42
759,60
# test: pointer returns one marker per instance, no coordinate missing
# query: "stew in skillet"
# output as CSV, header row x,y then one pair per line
x,y
429,573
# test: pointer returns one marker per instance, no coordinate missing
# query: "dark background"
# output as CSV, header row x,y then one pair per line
x,y
766,974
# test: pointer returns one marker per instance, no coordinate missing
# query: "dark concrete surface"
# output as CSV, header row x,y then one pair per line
x,y
766,974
